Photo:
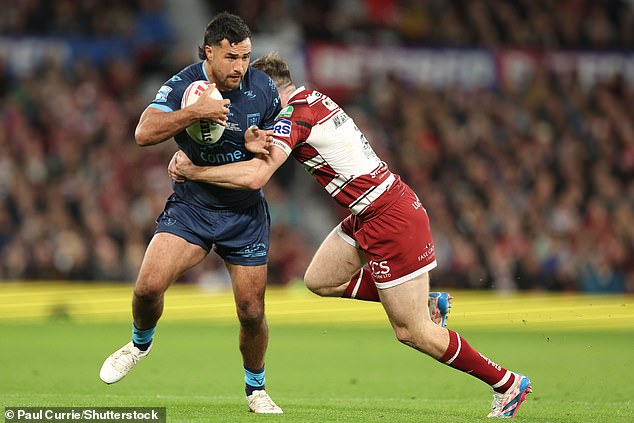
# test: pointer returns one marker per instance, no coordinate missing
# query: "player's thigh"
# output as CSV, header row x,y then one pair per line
x,y
249,285
167,257
334,263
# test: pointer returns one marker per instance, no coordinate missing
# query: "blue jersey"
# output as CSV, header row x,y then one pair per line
x,y
255,102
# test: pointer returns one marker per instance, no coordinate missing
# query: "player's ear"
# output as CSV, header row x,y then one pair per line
x,y
209,52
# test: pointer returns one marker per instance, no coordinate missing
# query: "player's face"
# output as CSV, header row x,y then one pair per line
x,y
229,63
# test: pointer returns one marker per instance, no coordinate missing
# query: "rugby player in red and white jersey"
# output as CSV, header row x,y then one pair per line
x,y
388,228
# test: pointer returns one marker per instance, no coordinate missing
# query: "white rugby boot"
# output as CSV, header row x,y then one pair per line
x,y
260,402
506,405
119,363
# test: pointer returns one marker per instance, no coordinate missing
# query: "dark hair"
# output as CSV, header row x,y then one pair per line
x,y
274,66
224,26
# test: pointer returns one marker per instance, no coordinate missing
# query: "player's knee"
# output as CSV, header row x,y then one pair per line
x,y
314,288
418,338
320,290
315,284
250,313
148,292
309,281
404,335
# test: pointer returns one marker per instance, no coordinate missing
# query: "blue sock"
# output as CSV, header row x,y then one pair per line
x,y
142,338
254,380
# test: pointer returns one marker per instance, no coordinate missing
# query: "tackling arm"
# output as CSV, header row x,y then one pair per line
x,y
251,174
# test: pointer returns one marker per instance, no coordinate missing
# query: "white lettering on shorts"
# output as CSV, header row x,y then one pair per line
x,y
429,251
380,269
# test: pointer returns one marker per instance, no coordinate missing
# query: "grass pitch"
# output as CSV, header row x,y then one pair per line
x,y
329,360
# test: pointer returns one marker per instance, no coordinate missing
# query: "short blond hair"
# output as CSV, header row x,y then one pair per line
x,y
274,66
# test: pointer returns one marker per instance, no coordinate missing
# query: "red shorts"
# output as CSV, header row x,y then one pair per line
x,y
396,240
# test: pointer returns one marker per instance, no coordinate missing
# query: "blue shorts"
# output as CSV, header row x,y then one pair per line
x,y
238,236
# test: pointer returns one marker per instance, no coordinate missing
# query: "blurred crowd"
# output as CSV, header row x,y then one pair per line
x,y
141,24
527,187
458,23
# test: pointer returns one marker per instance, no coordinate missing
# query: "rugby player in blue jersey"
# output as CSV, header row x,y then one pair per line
x,y
199,216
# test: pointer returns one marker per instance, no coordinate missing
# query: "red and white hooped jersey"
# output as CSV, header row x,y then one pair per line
x,y
323,138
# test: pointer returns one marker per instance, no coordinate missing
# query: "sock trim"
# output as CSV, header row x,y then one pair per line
x,y
256,379
142,336
458,348
502,381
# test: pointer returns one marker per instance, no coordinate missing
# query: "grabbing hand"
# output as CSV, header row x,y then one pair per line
x,y
257,140
180,167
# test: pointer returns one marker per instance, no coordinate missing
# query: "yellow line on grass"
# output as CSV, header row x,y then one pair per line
x,y
31,301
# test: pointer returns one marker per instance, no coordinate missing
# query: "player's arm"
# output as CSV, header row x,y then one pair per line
x,y
156,126
250,174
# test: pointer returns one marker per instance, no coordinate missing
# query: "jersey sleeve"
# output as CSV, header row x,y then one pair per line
x,y
169,96
292,126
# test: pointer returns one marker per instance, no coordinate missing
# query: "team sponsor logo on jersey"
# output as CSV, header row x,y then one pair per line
x,y
286,112
232,126
253,119
313,97
161,95
282,145
175,78
249,94
339,119
215,157
282,128
330,105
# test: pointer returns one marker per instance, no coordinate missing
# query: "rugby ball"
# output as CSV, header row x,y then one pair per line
x,y
204,132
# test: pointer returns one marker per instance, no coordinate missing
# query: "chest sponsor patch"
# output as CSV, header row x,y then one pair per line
x,y
286,112
282,128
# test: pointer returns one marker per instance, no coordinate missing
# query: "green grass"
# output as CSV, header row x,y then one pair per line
x,y
318,372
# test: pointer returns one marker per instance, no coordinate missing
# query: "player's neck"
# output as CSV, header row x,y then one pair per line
x,y
286,92
208,72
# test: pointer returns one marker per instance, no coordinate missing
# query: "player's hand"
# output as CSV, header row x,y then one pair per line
x,y
209,108
180,167
258,140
